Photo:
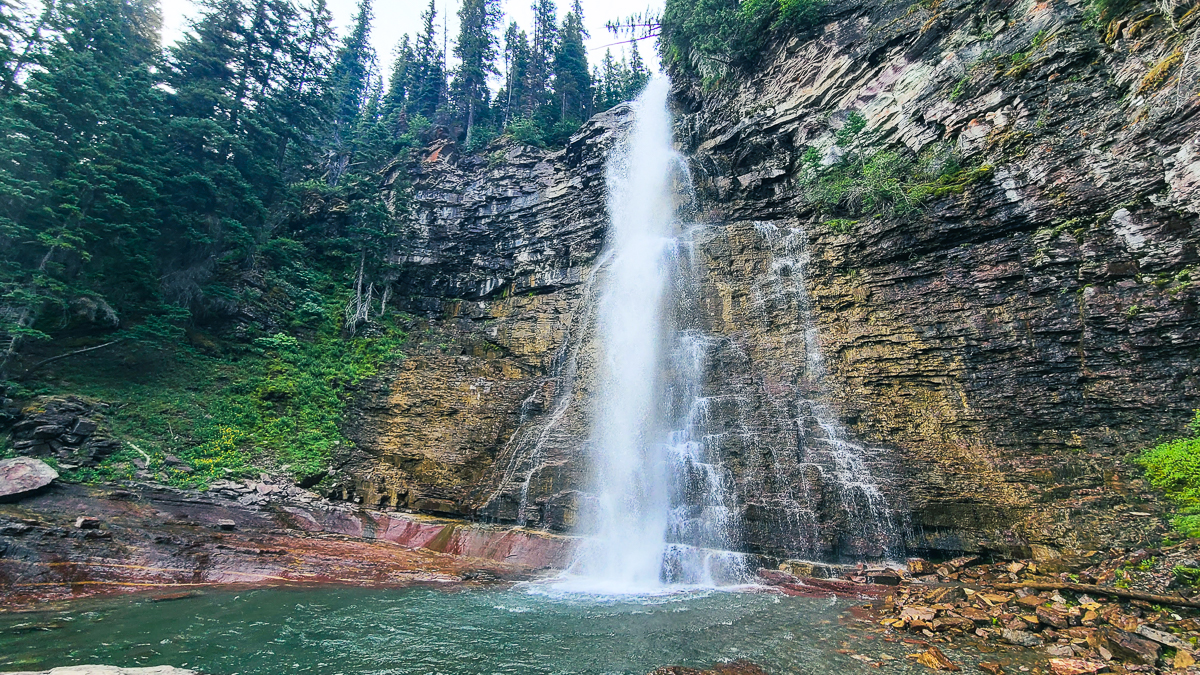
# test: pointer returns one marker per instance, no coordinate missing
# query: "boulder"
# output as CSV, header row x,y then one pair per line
x,y
885,577
1052,617
21,476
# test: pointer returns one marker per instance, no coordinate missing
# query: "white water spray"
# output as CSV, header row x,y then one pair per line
x,y
626,551
660,502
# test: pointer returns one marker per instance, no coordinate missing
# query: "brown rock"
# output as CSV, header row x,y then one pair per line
x,y
911,614
952,623
920,566
944,594
1030,601
87,523
1183,659
1052,617
884,577
991,667
1076,667
934,659
21,476
1129,647
977,615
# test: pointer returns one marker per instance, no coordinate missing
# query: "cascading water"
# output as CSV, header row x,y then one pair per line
x,y
829,456
662,514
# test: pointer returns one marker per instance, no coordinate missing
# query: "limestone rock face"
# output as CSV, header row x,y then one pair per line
x,y
996,354
21,476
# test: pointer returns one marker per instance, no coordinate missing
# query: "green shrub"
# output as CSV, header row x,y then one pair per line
x,y
1174,467
868,179
527,131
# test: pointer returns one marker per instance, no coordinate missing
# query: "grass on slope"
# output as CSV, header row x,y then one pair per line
x,y
225,411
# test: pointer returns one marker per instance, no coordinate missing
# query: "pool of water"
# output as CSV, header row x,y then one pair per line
x,y
526,629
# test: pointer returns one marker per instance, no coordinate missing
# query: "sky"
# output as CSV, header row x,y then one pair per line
x,y
394,18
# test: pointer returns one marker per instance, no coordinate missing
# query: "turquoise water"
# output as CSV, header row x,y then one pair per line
x,y
432,630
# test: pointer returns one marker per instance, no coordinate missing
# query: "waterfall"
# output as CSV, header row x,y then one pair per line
x,y
662,514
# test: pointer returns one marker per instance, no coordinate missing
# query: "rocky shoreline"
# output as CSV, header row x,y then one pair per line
x,y
1112,612
72,541
1119,611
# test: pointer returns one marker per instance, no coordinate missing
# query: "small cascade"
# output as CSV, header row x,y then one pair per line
x,y
827,456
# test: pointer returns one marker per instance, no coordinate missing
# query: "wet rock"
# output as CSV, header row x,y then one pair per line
x,y
920,566
884,577
991,667
1020,638
22,476
934,659
1076,667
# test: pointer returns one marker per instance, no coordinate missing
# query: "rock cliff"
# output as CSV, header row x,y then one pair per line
x,y
995,353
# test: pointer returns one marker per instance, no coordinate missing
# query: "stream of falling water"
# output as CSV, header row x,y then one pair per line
x,y
662,515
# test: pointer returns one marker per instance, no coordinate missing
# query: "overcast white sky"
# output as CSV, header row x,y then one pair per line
x,y
394,18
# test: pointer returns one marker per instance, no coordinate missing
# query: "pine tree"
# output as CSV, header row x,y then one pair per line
x,y
352,72
476,49
542,48
572,81
516,72
610,82
638,74
427,89
400,81
82,178
302,105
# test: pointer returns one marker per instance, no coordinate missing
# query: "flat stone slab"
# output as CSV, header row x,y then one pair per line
x,y
22,475
106,670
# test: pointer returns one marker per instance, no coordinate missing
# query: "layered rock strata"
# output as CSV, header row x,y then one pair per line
x,y
993,354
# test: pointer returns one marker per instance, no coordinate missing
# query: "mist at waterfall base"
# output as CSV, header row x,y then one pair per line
x,y
648,530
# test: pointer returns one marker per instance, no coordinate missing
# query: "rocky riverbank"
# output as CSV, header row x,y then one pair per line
x,y
73,541
1112,612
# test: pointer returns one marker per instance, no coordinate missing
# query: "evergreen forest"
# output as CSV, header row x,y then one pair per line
x,y
197,231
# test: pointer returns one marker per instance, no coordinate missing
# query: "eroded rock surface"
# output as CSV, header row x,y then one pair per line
x,y
157,538
995,355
